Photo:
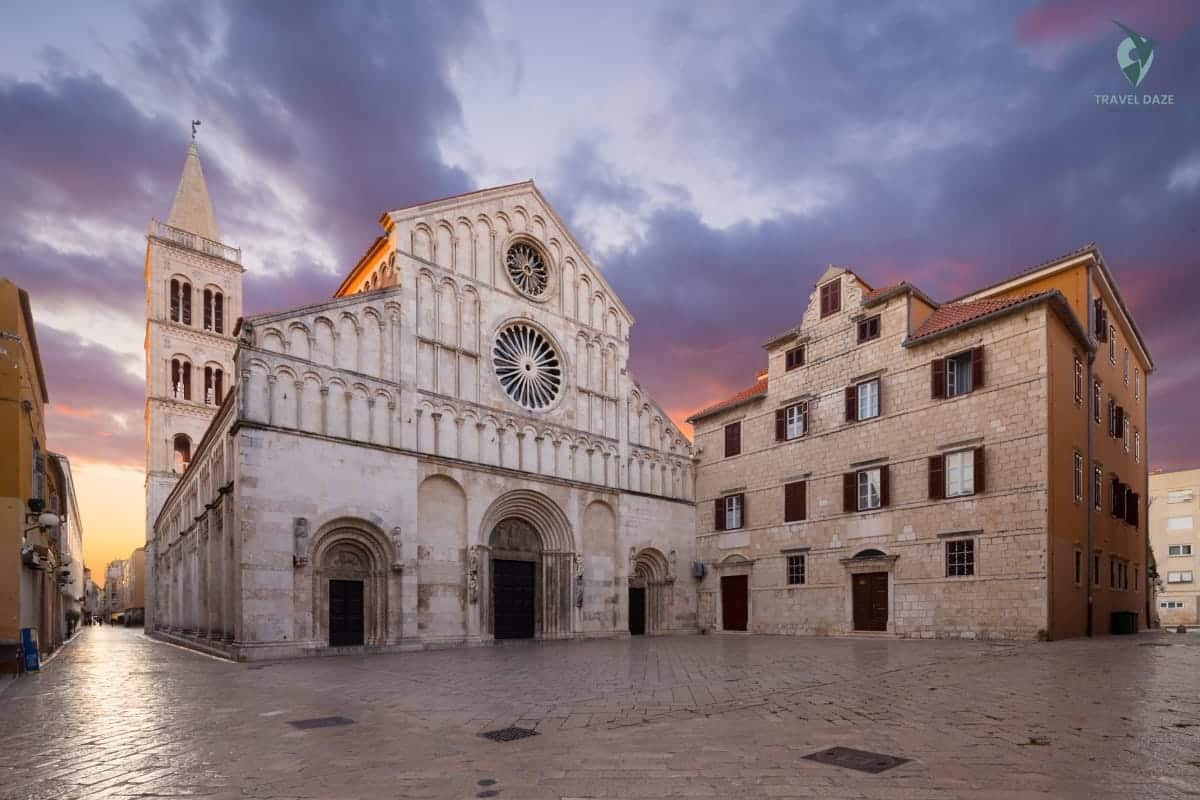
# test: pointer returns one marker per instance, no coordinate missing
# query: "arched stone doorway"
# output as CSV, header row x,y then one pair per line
x,y
651,586
350,567
527,579
870,601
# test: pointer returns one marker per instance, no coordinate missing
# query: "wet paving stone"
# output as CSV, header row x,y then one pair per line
x,y
117,715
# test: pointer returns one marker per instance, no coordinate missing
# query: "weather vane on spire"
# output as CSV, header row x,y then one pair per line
x,y
195,124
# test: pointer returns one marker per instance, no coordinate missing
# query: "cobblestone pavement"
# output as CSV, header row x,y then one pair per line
x,y
119,715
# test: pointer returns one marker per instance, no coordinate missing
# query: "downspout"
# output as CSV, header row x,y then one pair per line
x,y
1090,474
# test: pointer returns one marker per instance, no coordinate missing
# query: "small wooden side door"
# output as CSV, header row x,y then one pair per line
x,y
735,602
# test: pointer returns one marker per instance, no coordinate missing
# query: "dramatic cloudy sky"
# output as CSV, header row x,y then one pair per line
x,y
712,159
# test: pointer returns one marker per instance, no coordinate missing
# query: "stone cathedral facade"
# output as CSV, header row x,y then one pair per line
x,y
449,451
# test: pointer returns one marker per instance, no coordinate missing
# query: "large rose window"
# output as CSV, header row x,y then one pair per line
x,y
527,366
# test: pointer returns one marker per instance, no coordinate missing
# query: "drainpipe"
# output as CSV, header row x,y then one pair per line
x,y
1090,477
1090,464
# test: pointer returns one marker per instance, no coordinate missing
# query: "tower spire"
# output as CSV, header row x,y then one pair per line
x,y
192,210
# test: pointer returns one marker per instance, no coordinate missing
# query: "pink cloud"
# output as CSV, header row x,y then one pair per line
x,y
1065,20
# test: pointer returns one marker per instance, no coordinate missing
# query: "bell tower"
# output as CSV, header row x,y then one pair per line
x,y
193,300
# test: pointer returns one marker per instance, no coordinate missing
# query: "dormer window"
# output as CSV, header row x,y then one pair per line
x,y
868,329
831,298
794,358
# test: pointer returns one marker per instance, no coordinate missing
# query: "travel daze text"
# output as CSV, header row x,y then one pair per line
x,y
1135,100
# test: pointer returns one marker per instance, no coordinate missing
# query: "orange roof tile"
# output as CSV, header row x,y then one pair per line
x,y
750,393
952,315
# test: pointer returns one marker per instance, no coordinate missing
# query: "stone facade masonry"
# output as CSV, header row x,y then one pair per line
x,y
1007,595
369,441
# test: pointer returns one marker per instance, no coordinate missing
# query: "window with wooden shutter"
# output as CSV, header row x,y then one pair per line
x,y
868,329
937,378
794,358
1096,401
980,471
1114,488
733,439
937,477
1101,320
1079,380
831,298
780,424
794,501
850,491
851,404
719,514
976,368
884,491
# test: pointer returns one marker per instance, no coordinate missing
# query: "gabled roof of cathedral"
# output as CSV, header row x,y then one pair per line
x,y
192,210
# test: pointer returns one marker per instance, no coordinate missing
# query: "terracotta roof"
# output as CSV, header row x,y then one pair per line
x,y
745,395
954,315
1090,247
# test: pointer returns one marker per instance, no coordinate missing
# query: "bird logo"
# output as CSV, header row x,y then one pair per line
x,y
1135,55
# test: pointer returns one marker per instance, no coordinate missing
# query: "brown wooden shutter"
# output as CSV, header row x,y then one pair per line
x,y
850,491
733,439
1114,489
851,404
1119,423
980,471
884,492
802,496
719,517
794,501
937,378
937,477
976,368
780,424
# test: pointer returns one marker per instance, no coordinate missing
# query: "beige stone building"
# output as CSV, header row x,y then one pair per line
x,y
449,451
920,469
1175,537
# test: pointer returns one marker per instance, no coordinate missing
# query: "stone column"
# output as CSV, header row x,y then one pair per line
x,y
271,399
202,596
391,423
537,444
458,434
299,405
436,416
370,419
325,409
521,450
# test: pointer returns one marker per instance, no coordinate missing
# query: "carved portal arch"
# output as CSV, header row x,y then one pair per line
x,y
527,526
652,573
351,549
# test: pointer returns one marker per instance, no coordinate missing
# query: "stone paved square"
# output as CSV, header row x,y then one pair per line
x,y
120,715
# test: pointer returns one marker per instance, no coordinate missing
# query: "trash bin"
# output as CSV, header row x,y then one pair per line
x,y
1124,622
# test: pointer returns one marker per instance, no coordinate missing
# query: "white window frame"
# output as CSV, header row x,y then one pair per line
x,y
1125,367
1097,486
794,419
800,560
1137,384
964,484
1112,345
868,399
868,480
1182,576
1170,604
1125,431
733,512
1178,523
956,384
1137,447
1174,550
962,564
1079,387
1180,495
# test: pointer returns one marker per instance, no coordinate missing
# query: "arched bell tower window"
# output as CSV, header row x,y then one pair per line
x,y
181,379
181,301
214,312
183,452
213,385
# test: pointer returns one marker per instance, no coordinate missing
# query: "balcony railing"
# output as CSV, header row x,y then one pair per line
x,y
169,233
